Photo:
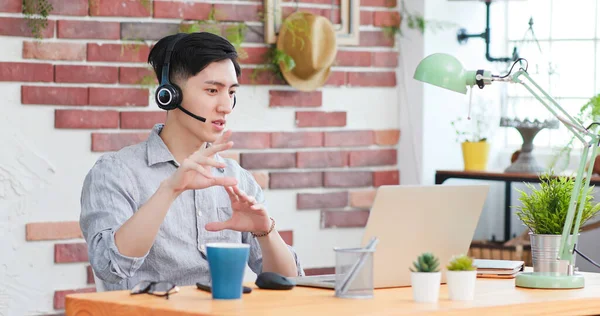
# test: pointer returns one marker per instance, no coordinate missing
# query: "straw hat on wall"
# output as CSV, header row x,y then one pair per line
x,y
310,40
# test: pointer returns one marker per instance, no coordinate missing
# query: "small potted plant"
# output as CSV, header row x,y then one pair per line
x,y
471,134
544,211
426,278
460,277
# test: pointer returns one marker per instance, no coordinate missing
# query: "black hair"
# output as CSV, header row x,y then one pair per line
x,y
192,53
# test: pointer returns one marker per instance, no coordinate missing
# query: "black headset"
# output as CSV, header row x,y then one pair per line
x,y
168,95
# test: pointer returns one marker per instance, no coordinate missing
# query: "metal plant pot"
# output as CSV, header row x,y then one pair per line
x,y
544,254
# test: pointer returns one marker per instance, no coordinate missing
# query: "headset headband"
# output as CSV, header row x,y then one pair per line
x,y
165,69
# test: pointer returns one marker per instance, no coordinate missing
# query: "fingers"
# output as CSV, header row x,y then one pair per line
x,y
217,226
250,199
232,196
210,151
192,165
224,181
243,196
238,191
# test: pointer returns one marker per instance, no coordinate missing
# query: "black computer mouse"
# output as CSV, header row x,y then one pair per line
x,y
273,281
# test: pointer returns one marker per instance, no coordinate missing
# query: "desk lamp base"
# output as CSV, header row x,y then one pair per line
x,y
544,281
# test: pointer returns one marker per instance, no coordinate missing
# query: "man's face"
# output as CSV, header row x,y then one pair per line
x,y
209,94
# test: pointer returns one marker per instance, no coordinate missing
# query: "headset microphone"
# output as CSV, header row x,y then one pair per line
x,y
168,95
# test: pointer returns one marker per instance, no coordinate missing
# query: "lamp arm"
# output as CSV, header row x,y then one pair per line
x,y
572,124
567,246
581,183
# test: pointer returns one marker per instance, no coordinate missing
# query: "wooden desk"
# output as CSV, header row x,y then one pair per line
x,y
507,178
493,297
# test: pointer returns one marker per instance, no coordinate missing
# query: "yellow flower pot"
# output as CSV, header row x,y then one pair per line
x,y
475,155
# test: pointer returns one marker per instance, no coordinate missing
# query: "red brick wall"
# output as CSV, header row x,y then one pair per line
x,y
90,76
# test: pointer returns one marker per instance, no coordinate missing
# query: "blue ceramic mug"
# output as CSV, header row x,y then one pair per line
x,y
227,263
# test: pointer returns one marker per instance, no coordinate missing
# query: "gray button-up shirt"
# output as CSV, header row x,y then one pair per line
x,y
121,182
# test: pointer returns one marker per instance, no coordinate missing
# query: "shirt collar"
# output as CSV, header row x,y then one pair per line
x,y
157,149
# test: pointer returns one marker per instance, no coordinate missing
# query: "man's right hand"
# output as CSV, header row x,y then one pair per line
x,y
194,172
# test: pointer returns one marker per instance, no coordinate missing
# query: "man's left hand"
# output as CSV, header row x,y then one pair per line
x,y
247,216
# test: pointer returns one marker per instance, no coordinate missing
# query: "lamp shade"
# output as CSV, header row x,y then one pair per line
x,y
444,71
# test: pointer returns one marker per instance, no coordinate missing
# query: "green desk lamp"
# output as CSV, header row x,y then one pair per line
x,y
447,72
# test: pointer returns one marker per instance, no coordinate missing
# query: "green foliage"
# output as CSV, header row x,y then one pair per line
x,y
415,21
294,28
476,128
461,263
147,4
148,81
233,32
134,45
279,57
426,262
36,14
273,59
588,113
236,35
468,136
544,210
391,31
591,110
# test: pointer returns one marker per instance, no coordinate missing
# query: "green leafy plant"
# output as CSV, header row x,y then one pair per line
x,y
544,210
461,263
36,14
426,262
272,61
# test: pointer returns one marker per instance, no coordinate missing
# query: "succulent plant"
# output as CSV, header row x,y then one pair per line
x,y
426,262
461,263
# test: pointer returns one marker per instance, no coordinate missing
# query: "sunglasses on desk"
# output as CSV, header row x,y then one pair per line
x,y
157,288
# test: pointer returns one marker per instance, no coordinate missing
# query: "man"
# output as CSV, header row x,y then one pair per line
x,y
148,210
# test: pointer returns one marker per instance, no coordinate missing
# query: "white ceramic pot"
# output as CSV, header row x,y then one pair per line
x,y
461,285
426,286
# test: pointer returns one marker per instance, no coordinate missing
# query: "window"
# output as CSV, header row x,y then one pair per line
x,y
566,67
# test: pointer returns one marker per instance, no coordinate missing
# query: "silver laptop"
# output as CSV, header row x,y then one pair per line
x,y
411,220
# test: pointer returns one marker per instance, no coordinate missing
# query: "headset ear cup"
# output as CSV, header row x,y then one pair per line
x,y
164,97
168,97
178,96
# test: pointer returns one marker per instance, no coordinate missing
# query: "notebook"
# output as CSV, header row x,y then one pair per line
x,y
489,268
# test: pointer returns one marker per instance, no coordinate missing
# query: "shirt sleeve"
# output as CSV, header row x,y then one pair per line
x,y
252,188
107,201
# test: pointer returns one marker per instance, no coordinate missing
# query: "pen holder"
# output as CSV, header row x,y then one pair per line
x,y
354,272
